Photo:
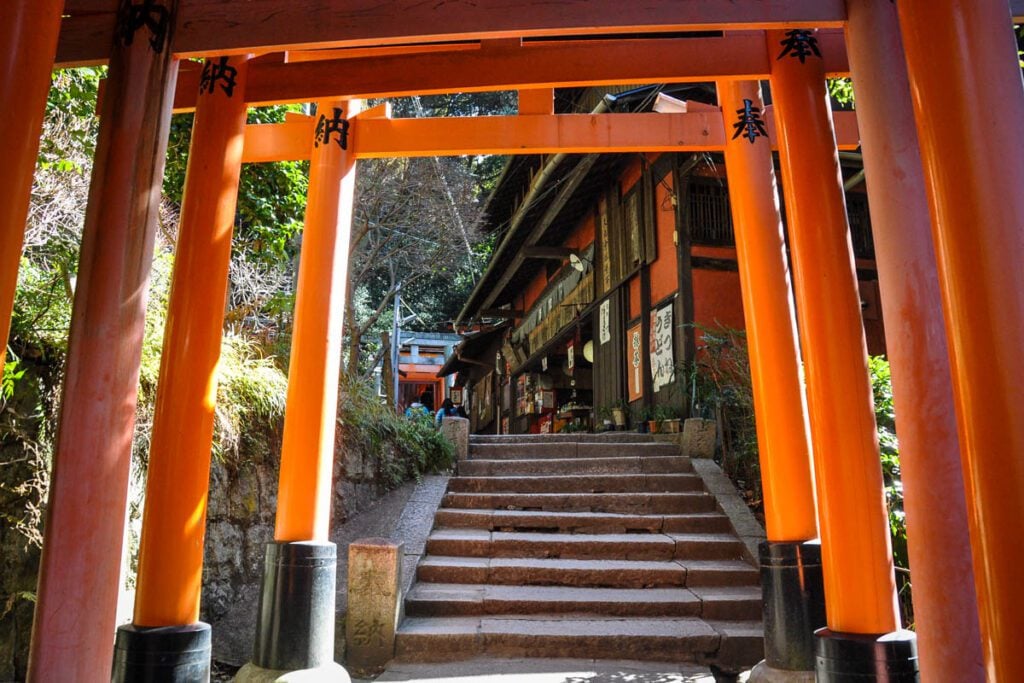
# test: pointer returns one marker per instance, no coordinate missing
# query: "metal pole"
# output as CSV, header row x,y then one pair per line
x,y
396,342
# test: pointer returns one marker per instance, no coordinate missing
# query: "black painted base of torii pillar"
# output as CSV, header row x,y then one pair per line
x,y
295,631
166,654
798,645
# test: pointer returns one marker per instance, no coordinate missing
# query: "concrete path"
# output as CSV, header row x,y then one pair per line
x,y
545,671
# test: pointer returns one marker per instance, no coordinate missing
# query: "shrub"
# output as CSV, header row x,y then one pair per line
x,y
720,390
889,447
402,448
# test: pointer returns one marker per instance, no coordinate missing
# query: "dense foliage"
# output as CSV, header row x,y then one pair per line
x,y
416,229
402,448
252,374
721,390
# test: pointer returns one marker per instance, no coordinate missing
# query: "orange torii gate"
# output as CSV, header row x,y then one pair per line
x,y
967,105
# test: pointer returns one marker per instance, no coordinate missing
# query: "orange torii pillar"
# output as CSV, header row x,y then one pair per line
x,y
969,105
945,608
73,630
296,615
863,631
28,42
170,567
791,579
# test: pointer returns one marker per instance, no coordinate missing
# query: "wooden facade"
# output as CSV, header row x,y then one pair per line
x,y
647,233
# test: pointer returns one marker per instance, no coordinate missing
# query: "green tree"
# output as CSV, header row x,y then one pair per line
x,y
416,224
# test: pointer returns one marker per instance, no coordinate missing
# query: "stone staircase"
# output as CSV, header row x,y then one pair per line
x,y
597,549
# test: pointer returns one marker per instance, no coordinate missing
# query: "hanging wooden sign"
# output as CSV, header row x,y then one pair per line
x,y
663,371
635,354
605,321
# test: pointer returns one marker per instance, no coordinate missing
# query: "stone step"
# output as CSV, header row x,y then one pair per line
x,y
593,573
660,464
566,449
482,543
687,639
441,599
581,522
628,503
587,573
605,437
541,670
578,483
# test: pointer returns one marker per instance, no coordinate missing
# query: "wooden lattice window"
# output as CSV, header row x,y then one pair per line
x,y
860,226
633,222
708,213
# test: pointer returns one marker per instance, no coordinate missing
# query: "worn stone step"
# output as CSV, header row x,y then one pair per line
x,y
481,543
578,437
579,483
686,639
541,670
629,503
720,573
438,599
514,439
568,449
587,573
706,546
741,645
580,522
640,546
659,464
431,600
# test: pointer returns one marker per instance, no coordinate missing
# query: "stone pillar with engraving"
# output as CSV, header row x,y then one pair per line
x,y
374,599
456,430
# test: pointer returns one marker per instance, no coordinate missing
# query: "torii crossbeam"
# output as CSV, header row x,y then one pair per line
x,y
943,72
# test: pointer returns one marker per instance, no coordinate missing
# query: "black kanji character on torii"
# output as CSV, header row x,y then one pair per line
x,y
750,125
799,43
326,127
218,71
132,17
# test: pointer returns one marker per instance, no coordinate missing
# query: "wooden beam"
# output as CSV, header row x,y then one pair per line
x,y
289,141
506,313
570,133
377,138
559,253
566,190
536,101
560,64
216,27
352,52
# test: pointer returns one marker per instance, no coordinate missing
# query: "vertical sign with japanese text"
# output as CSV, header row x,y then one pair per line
x,y
663,370
605,321
635,358
606,247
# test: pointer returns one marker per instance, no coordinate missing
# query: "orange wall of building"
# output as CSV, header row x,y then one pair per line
x,y
583,235
533,291
665,270
717,299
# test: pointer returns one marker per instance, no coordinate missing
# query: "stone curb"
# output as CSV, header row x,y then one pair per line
x,y
732,505
415,525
